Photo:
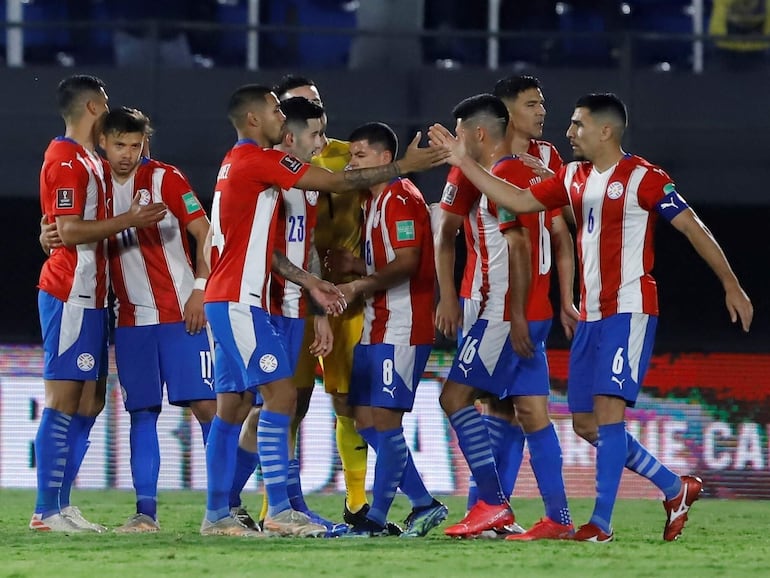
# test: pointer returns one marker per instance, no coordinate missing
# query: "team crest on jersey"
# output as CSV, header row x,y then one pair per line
x,y
291,163
615,190
268,363
311,197
65,198
144,197
449,194
86,362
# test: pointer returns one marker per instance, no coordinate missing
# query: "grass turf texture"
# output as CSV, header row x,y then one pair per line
x,y
722,538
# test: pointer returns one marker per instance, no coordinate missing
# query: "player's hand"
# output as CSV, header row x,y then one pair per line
x,y
569,317
537,165
194,316
340,261
351,291
144,214
739,306
324,338
520,340
440,136
419,158
449,318
49,236
327,296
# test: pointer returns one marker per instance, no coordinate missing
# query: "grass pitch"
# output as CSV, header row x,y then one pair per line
x,y
722,538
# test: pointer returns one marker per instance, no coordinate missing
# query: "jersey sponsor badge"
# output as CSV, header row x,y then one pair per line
x,y
65,198
505,216
449,194
311,197
291,163
405,230
191,203
615,190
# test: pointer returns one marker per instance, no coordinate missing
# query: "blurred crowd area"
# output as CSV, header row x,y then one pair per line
x,y
390,33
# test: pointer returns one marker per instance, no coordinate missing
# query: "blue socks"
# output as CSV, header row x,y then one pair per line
x,y
205,429
221,451
392,455
245,465
546,461
145,460
80,429
611,451
473,438
294,488
642,462
273,448
51,451
508,449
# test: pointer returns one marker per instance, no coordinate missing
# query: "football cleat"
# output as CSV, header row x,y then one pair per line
x,y
367,529
677,508
545,529
481,517
228,526
293,523
422,520
501,533
333,529
242,515
593,533
75,515
138,524
54,523
359,517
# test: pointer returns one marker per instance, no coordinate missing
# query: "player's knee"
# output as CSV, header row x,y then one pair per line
x,y
454,397
585,429
204,410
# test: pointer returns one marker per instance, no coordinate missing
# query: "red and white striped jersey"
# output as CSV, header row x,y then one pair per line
x,y
150,268
294,238
615,217
402,315
538,226
73,182
243,218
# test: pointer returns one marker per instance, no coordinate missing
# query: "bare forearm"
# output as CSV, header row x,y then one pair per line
x,y
390,275
520,276
445,262
707,247
288,270
501,192
358,179
80,232
565,265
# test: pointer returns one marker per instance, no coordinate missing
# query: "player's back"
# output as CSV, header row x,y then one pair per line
x,y
73,182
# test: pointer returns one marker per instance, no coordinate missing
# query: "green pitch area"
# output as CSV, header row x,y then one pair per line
x,y
722,538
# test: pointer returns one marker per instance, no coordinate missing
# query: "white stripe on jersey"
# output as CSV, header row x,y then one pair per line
x,y
545,153
636,334
71,324
295,206
404,364
477,276
256,261
498,267
632,248
242,325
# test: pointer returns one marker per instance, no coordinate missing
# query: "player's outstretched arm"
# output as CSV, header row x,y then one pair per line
x,y
501,192
75,231
737,302
325,295
416,159
449,318
564,258
405,264
194,315
519,279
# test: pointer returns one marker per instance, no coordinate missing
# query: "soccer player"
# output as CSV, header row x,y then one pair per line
x,y
616,198
388,363
338,227
288,307
503,352
248,352
73,296
160,337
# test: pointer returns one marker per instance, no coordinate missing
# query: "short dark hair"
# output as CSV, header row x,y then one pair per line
x,y
484,106
299,110
243,97
70,91
290,82
512,86
126,120
604,103
376,133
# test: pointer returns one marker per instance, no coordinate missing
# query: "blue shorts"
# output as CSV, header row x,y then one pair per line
x,y
470,311
151,356
74,340
291,330
609,357
247,350
486,360
386,375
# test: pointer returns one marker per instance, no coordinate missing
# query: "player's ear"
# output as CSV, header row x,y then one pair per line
x,y
103,141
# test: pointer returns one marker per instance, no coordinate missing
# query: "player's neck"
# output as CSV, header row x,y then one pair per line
x,y
603,160
493,153
81,134
519,143
122,180
377,190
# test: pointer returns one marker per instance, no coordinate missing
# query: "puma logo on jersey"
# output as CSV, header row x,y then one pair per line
x,y
577,187
618,381
391,392
67,164
671,203
465,370
402,199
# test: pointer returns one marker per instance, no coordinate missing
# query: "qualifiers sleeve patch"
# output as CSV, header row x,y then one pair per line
x,y
65,198
191,203
504,216
449,194
292,163
405,230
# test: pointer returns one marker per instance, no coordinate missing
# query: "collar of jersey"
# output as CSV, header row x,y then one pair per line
x,y
244,141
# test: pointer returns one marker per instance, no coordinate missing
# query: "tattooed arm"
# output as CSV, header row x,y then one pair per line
x,y
324,294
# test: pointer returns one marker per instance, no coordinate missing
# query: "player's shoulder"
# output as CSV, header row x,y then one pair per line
x,y
406,189
148,164
62,149
653,171
536,146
